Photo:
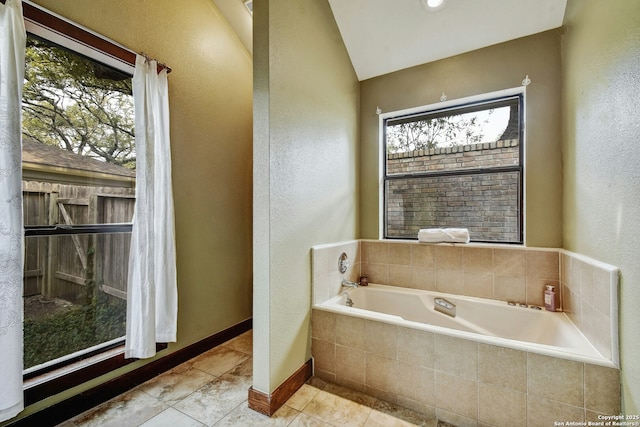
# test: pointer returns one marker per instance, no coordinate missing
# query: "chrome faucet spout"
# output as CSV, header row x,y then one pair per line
x,y
348,284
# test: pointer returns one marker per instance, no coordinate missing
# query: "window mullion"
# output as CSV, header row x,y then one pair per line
x,y
65,230
515,168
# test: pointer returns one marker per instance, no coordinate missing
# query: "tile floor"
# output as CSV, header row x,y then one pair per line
x,y
211,390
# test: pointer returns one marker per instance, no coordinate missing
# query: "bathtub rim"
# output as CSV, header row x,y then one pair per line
x,y
541,349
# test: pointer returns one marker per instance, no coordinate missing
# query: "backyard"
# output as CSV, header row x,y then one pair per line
x,y
54,328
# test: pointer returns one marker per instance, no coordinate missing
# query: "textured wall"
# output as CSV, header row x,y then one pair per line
x,y
486,70
305,159
601,88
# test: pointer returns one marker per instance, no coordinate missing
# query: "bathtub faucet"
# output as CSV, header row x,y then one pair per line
x,y
348,284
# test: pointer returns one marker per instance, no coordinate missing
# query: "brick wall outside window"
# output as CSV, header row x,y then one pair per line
x,y
486,203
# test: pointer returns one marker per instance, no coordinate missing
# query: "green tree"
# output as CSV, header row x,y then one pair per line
x,y
443,131
77,104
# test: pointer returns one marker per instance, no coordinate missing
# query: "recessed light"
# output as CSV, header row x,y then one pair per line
x,y
434,3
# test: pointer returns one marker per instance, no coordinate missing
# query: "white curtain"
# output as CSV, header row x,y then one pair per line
x,y
152,297
12,47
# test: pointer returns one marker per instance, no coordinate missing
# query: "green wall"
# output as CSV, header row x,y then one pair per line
x,y
305,180
601,90
486,70
210,95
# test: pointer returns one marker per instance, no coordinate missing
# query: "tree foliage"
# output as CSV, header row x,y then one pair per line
x,y
77,104
444,131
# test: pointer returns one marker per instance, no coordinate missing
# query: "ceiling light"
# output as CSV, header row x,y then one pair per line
x,y
434,4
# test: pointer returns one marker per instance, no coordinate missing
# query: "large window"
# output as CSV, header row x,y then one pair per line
x,y
455,166
78,196
78,186
78,179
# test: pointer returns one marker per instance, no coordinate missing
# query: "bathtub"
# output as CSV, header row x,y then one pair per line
x,y
492,364
482,320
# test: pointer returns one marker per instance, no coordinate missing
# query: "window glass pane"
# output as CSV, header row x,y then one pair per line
x,y
456,167
424,143
78,142
74,294
487,204
78,168
78,105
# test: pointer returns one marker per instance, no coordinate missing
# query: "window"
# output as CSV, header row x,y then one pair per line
x,y
78,185
78,197
78,188
455,166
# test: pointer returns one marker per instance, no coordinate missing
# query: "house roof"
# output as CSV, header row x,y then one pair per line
x,y
36,154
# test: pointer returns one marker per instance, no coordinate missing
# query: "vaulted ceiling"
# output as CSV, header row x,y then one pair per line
x,y
383,36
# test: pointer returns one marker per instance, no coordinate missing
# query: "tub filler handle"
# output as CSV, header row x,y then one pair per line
x,y
348,284
444,306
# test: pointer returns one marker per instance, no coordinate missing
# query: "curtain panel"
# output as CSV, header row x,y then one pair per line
x,y
12,52
152,301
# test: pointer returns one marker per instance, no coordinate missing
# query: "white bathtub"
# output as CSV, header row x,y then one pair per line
x,y
483,320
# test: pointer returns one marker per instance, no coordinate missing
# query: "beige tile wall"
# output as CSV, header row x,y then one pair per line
x,y
590,290
459,381
325,275
503,273
515,274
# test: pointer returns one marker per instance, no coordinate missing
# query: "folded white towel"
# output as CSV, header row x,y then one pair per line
x,y
447,235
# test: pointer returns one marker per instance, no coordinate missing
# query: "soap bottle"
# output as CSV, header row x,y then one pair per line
x,y
550,298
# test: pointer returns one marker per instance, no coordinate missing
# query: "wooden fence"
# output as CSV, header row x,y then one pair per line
x,y
60,266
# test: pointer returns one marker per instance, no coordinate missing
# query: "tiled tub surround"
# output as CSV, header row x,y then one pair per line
x,y
326,277
456,379
459,381
589,302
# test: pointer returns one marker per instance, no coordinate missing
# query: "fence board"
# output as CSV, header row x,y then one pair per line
x,y
63,260
114,292
69,278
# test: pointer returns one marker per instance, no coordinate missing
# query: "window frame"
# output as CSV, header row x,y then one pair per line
x,y
46,24
60,375
470,103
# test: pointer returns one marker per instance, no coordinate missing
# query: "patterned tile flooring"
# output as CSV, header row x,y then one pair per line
x,y
212,389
